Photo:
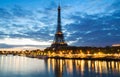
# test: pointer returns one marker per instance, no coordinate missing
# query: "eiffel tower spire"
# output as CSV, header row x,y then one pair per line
x,y
59,20
59,36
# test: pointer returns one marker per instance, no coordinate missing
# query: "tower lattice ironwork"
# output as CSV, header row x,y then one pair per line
x,y
59,36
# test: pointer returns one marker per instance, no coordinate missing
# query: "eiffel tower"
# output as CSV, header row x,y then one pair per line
x,y
59,36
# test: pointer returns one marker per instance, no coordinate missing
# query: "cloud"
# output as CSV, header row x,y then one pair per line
x,y
21,41
95,30
21,47
89,23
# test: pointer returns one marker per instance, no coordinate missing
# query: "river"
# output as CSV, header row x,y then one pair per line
x,y
17,66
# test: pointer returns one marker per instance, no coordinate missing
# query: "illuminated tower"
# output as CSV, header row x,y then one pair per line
x,y
59,37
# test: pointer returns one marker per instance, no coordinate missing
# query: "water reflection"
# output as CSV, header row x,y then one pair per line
x,y
16,66
83,68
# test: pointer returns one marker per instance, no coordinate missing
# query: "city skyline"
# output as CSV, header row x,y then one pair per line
x,y
84,23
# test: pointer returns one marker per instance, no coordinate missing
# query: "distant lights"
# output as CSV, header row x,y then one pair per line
x,y
116,45
59,32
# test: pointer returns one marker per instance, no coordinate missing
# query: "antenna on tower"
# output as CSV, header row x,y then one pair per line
x,y
59,2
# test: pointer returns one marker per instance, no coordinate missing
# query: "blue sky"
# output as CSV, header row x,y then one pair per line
x,y
84,22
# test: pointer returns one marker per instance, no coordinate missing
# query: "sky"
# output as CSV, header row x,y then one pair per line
x,y
32,23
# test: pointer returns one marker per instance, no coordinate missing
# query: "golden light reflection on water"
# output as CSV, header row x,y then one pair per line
x,y
98,67
58,67
21,65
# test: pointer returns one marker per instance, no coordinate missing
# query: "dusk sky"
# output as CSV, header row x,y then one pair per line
x,y
32,23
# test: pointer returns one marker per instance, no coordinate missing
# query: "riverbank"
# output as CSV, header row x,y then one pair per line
x,y
104,57
100,56
101,59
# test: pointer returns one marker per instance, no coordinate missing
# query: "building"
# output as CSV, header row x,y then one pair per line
x,y
59,40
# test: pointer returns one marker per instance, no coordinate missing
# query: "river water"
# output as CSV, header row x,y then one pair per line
x,y
17,66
